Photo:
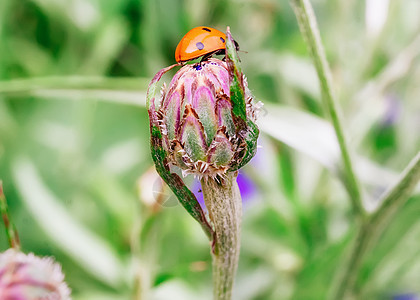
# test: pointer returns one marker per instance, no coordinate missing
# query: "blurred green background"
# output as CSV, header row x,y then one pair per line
x,y
78,176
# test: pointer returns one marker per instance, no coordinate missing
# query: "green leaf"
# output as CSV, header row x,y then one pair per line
x,y
237,95
237,98
396,196
315,138
302,131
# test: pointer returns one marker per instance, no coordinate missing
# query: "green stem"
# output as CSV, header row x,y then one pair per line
x,y
393,199
224,203
351,269
144,245
11,232
29,85
369,233
308,26
115,90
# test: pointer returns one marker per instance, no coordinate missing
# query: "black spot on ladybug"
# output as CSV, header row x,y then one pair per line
x,y
222,39
200,46
206,29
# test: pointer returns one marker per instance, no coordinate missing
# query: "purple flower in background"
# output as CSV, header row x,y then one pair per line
x,y
246,186
28,277
393,110
407,296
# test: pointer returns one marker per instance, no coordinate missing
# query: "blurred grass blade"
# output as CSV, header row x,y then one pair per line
x,y
119,90
318,269
309,29
119,97
398,194
109,42
88,250
392,201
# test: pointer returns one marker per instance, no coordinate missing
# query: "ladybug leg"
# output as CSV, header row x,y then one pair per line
x,y
207,56
236,45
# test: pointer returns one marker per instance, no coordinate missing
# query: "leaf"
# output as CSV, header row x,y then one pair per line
x,y
237,98
304,132
237,95
315,137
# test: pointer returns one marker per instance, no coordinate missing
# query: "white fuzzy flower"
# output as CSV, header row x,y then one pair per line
x,y
29,277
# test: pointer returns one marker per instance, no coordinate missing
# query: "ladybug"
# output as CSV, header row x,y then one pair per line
x,y
201,41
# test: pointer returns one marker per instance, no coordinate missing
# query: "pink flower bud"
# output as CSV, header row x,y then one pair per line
x,y
195,117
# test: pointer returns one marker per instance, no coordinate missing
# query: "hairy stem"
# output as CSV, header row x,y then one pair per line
x,y
394,198
349,275
376,223
11,232
224,203
309,28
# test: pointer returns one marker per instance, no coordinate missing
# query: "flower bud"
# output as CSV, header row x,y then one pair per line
x,y
200,133
28,277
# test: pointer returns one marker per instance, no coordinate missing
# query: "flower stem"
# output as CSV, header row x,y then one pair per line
x,y
27,86
394,198
224,203
352,266
128,91
12,235
309,28
376,223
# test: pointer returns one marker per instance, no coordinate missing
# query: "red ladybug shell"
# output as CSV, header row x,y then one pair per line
x,y
199,41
